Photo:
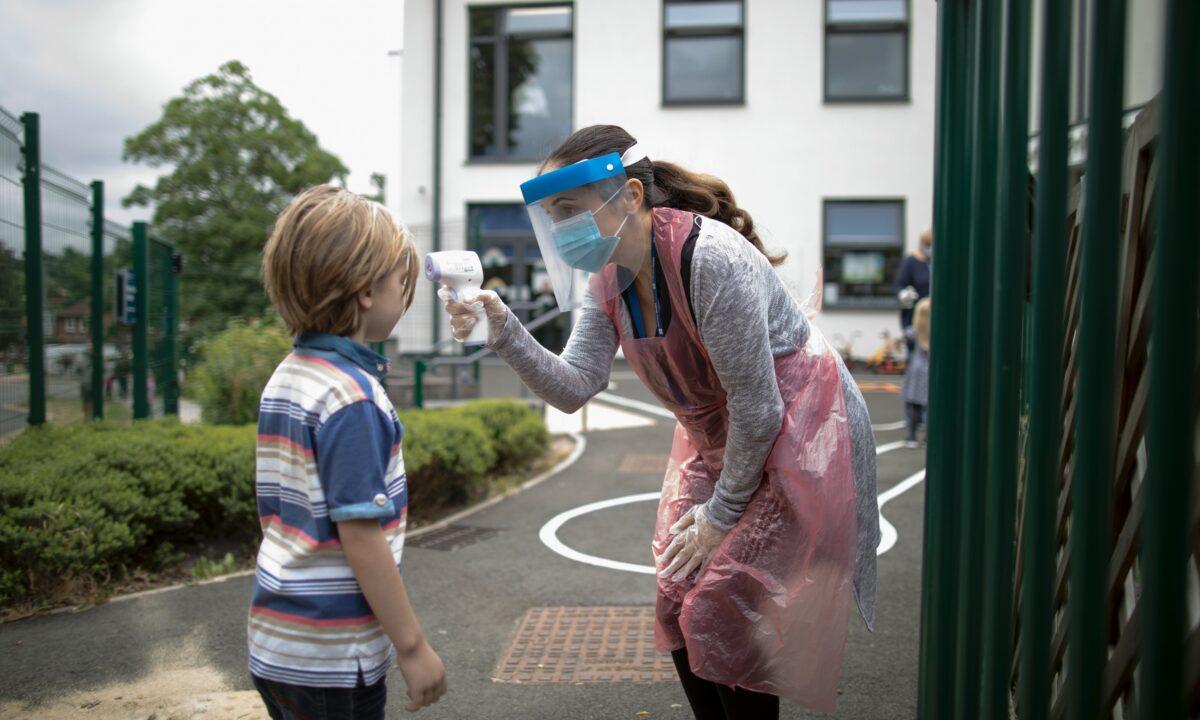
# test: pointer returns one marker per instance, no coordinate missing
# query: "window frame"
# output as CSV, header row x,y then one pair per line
x,y
880,303
837,28
667,34
500,98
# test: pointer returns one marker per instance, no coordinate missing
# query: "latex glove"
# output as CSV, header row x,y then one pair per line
x,y
908,297
463,315
696,537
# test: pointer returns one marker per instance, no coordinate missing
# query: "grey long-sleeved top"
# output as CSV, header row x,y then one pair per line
x,y
733,287
746,319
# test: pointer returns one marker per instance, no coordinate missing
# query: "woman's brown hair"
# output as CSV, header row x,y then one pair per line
x,y
666,184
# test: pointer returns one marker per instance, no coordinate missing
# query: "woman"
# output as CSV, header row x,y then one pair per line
x,y
912,282
768,520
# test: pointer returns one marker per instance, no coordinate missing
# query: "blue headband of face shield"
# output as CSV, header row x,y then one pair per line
x,y
578,239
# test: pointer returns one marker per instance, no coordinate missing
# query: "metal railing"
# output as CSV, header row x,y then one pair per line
x,y
432,361
63,351
1061,498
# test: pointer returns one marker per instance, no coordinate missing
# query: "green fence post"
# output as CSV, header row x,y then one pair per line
x,y
1095,408
936,687
35,300
980,270
1009,298
1170,473
419,383
97,309
1042,468
141,343
170,390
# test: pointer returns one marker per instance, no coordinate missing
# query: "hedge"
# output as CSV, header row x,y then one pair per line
x,y
84,505
237,363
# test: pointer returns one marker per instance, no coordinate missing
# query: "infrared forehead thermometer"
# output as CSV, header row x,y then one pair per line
x,y
461,272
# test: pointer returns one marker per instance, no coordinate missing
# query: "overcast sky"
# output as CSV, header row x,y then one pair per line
x,y
100,70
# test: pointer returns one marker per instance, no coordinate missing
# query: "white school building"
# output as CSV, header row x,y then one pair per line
x,y
819,114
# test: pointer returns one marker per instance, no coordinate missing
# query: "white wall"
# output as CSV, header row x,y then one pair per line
x,y
1144,29
782,152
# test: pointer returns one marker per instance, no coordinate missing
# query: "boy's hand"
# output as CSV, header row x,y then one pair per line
x,y
424,674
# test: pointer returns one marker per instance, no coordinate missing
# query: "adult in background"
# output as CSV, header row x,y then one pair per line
x,y
912,282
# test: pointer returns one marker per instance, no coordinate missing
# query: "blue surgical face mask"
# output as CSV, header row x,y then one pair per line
x,y
580,242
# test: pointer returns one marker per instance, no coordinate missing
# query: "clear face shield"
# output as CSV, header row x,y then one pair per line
x,y
586,225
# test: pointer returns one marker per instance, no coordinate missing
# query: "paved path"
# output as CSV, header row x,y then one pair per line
x,y
189,644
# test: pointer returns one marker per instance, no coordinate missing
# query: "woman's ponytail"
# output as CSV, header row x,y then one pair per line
x,y
705,195
666,184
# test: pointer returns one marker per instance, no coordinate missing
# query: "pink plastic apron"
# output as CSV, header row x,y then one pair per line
x,y
772,610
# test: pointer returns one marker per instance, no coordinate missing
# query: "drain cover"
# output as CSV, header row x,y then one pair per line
x,y
581,645
452,537
655,463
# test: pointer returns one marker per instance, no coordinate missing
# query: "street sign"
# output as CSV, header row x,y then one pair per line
x,y
126,296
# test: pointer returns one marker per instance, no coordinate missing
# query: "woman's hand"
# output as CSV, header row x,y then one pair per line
x,y
696,537
464,315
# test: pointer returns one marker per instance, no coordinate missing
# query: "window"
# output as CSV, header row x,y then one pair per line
x,y
521,78
866,50
864,243
513,268
703,52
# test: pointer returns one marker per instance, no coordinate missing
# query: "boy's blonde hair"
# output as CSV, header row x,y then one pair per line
x,y
327,246
922,315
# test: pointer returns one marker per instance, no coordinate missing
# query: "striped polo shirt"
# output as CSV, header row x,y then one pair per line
x,y
328,451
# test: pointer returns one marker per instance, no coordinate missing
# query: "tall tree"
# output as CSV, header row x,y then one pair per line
x,y
235,158
379,182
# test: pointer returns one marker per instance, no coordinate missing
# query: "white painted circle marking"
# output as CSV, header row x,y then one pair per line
x,y
549,532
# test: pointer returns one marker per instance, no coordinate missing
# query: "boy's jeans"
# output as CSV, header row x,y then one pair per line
x,y
297,702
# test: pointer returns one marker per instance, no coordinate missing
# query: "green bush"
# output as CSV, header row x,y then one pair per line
x,y
89,501
518,432
85,504
446,456
237,364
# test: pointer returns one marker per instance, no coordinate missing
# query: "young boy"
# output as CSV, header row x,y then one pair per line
x,y
329,611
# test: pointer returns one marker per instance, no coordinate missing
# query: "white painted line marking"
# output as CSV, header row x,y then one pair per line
x,y
888,447
608,397
549,532
887,532
635,405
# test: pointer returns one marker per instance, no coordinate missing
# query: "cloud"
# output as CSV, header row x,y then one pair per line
x,y
98,72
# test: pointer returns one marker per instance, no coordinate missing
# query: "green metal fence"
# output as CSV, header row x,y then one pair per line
x,y
14,356
64,354
1061,507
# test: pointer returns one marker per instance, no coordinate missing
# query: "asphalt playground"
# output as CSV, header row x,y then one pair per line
x,y
579,539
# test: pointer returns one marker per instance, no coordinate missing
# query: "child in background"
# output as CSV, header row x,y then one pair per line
x,y
329,612
916,375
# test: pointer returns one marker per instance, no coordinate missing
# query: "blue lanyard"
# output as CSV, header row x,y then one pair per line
x,y
636,305
658,329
